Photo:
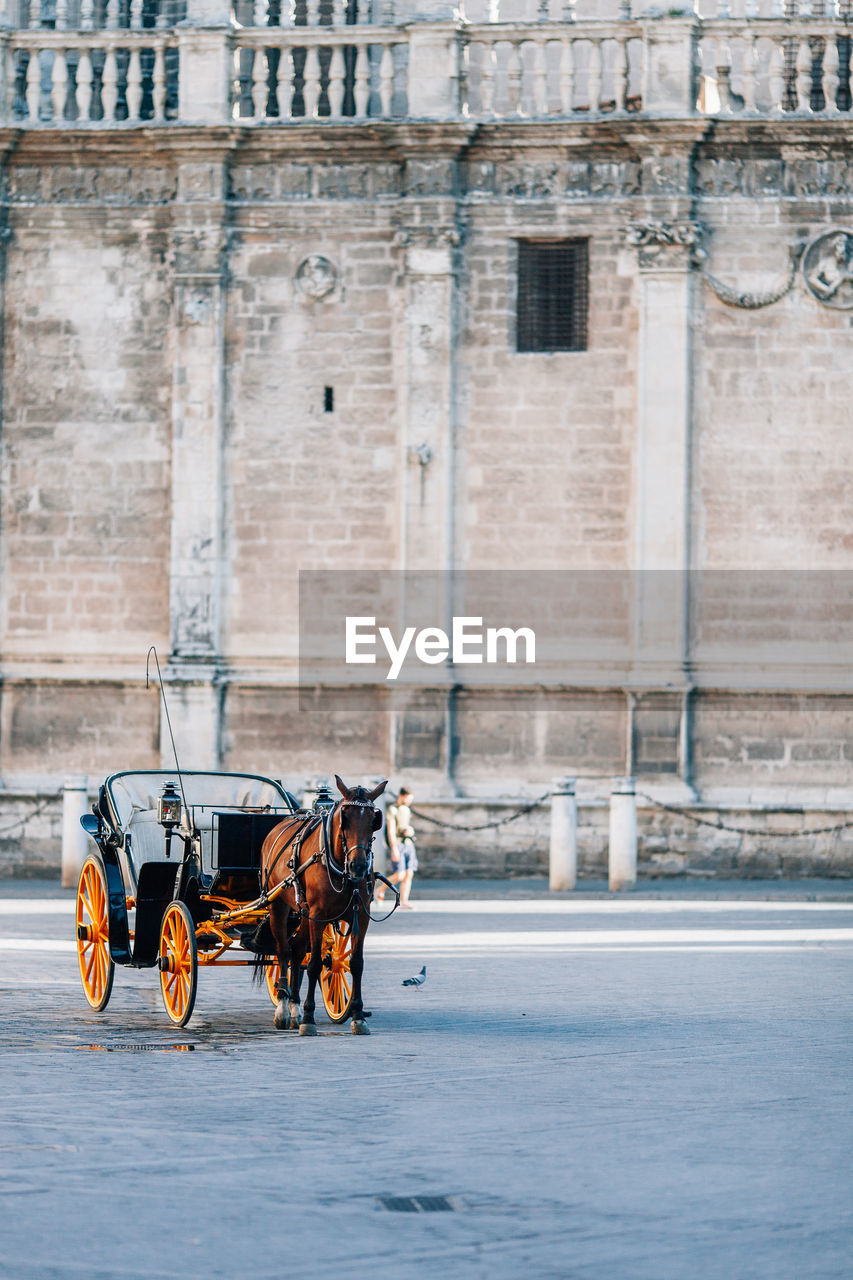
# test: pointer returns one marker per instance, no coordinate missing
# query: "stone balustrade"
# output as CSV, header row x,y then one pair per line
x,y
113,61
106,77
339,73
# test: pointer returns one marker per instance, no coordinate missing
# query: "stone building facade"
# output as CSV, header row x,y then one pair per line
x,y
260,309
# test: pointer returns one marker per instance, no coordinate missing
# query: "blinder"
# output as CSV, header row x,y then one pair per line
x,y
368,848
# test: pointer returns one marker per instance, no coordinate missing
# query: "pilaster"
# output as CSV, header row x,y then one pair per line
x,y
666,252
427,491
197,440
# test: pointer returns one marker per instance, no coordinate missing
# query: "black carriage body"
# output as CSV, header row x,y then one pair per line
x,y
217,849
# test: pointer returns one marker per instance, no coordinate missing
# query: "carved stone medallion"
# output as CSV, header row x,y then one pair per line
x,y
828,269
316,276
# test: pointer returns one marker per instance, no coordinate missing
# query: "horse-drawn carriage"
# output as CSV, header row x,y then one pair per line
x,y
192,870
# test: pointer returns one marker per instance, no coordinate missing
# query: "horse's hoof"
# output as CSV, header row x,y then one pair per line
x,y
360,1028
295,1015
281,1019
307,1029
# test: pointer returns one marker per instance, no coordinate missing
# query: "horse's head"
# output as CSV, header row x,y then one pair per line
x,y
359,819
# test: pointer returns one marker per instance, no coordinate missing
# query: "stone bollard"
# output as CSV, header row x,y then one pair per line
x,y
563,860
622,859
75,842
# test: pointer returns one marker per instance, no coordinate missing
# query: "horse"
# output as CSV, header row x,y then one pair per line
x,y
325,862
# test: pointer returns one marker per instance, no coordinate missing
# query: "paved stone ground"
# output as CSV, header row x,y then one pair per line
x,y
642,1087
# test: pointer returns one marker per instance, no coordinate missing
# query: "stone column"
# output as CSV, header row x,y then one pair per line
x,y
197,497
665,255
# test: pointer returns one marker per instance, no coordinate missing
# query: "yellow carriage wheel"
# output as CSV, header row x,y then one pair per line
x,y
93,934
273,975
178,963
335,975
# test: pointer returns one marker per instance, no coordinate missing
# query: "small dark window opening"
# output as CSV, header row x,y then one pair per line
x,y
553,295
328,399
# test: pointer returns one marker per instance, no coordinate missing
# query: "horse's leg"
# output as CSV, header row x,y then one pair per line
x,y
297,955
283,1018
359,1026
315,964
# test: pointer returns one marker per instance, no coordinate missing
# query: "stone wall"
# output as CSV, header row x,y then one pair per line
x,y
233,354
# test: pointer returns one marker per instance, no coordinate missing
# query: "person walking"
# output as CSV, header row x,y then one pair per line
x,y
400,838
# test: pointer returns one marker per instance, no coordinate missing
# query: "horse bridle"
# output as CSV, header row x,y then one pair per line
x,y
349,851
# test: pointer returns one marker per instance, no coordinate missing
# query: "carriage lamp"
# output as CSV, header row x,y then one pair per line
x,y
169,813
169,807
324,799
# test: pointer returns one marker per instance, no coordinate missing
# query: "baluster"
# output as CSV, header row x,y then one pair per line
x,y
513,79
830,76
133,92
776,77
540,78
336,83
724,9
453,76
134,14
386,79
465,80
260,85
804,76
750,64
59,81
109,85
260,13
594,75
34,86
569,11
84,85
61,15
110,14
361,92
311,90
312,13
87,14
284,86
488,68
567,77
158,86
724,77
35,15
621,69
751,9
804,9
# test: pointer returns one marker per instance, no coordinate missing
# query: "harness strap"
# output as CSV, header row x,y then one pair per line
x,y
307,826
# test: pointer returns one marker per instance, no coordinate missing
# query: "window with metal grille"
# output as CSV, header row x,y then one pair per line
x,y
553,295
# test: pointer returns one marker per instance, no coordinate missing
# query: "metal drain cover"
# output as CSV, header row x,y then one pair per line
x,y
418,1204
139,1048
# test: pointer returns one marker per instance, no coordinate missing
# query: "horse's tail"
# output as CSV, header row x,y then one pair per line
x,y
259,969
263,944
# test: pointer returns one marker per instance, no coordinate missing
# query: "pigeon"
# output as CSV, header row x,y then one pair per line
x,y
416,982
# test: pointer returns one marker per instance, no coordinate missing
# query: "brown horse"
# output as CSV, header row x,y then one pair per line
x,y
326,863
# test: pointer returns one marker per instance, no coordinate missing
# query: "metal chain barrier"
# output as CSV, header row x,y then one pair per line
x,y
656,804
741,831
484,826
